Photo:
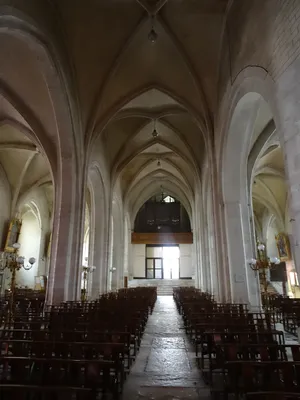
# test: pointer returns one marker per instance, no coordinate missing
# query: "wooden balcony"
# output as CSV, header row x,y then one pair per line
x,y
162,238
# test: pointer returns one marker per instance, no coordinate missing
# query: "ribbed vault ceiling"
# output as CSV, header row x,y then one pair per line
x,y
269,190
125,85
159,144
23,166
128,86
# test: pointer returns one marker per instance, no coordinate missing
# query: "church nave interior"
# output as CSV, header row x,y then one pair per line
x,y
149,192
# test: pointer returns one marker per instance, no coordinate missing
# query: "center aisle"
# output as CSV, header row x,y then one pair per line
x,y
165,367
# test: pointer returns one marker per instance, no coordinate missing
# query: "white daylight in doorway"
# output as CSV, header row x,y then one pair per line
x,y
171,262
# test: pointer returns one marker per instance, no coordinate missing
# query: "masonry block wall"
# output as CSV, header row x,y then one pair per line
x,y
260,33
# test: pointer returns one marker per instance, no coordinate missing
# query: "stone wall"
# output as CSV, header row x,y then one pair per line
x,y
259,33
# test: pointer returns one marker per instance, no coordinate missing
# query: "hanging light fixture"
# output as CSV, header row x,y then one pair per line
x,y
152,34
158,163
154,132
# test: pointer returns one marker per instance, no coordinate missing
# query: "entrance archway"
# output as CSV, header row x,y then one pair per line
x,y
162,239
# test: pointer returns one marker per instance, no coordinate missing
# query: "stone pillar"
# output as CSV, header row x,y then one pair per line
x,y
99,232
204,250
288,124
115,267
197,245
118,274
66,249
110,255
120,271
194,263
97,258
214,275
205,259
42,257
198,265
130,256
127,250
243,281
117,256
93,289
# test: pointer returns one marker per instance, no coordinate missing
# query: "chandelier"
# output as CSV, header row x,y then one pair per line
x,y
262,264
13,262
262,261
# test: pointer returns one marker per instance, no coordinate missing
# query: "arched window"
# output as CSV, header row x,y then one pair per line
x,y
169,199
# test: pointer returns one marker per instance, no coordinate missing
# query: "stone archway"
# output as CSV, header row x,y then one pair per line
x,y
49,113
237,202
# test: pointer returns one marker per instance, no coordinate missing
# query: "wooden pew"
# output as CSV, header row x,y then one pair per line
x,y
272,396
239,352
88,347
241,377
25,392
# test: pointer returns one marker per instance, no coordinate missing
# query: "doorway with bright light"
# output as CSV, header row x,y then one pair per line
x,y
162,262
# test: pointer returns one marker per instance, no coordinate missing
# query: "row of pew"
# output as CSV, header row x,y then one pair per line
x,y
73,351
241,354
287,311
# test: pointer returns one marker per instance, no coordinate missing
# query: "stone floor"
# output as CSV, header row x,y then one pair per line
x,y
165,367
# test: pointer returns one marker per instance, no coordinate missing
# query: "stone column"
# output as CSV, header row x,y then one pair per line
x,y
194,264
110,255
198,260
288,123
205,259
115,266
118,274
65,272
130,256
93,284
214,275
198,265
99,237
127,251
243,281
98,254
204,251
